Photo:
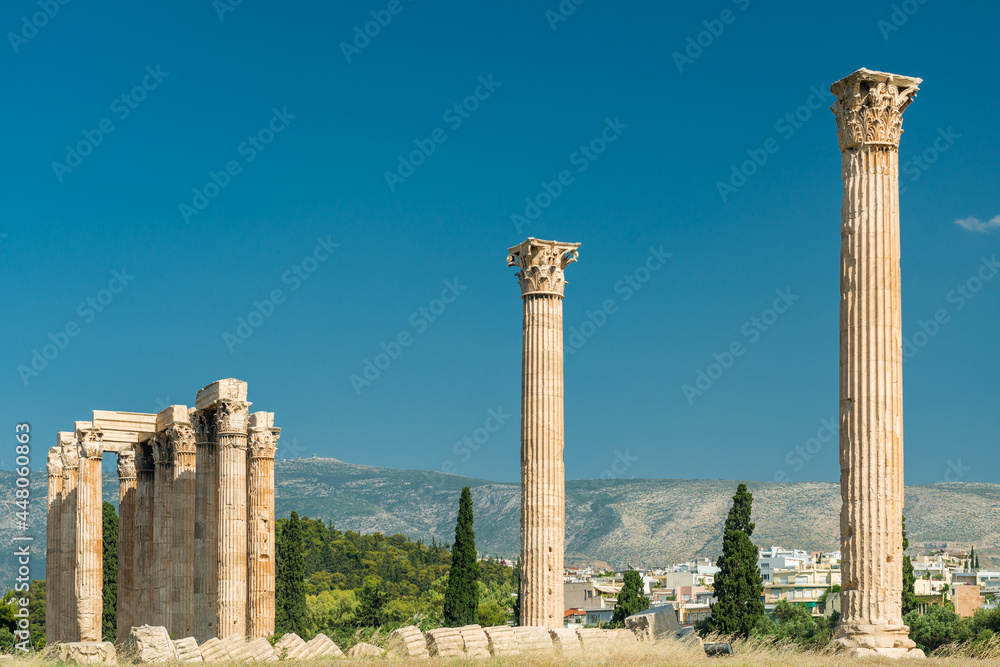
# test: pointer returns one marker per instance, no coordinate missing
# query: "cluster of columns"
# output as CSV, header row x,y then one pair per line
x,y
543,479
196,520
869,110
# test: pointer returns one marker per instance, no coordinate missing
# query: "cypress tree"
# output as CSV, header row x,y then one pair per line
x,y
462,596
909,595
109,615
630,599
738,584
290,593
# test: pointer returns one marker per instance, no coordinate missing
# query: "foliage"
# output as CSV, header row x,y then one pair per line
x,y
291,614
109,617
462,597
909,595
517,587
630,599
937,627
371,602
824,596
36,613
738,584
985,619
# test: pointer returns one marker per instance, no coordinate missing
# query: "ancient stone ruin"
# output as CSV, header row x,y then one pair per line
x,y
196,526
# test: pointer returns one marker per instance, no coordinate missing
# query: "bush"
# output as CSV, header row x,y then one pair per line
x,y
937,627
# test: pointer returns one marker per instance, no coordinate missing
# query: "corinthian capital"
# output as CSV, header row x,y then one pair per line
x,y
89,443
541,264
231,416
126,464
54,463
263,442
163,449
869,107
181,436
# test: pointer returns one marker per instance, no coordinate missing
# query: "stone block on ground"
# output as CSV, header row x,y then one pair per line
x,y
502,640
364,650
477,645
621,636
445,642
323,646
655,623
291,647
566,640
237,647
152,644
531,639
408,642
213,650
86,653
591,638
187,650
261,650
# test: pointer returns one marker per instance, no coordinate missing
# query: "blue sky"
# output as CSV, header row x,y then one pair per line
x,y
217,159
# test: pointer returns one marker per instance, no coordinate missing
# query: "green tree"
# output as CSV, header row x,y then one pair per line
x,y
937,627
462,597
738,584
371,603
109,617
909,596
36,613
516,580
630,599
291,613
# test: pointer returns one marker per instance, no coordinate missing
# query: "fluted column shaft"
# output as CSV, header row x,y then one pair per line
x,y
53,548
143,556
90,542
183,491
126,543
69,625
163,530
260,531
231,421
206,554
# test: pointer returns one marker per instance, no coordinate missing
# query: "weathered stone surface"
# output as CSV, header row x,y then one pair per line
x,y
477,645
591,638
543,478
214,650
152,644
531,639
321,645
262,441
290,647
187,650
502,640
566,640
445,642
236,645
260,649
869,112
654,623
621,635
88,652
408,642
364,650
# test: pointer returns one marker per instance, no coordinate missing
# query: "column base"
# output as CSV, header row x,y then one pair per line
x,y
861,640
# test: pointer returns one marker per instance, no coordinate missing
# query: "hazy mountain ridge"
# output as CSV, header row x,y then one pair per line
x,y
638,522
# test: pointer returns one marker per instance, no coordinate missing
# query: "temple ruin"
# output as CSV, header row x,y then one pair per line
x,y
196,520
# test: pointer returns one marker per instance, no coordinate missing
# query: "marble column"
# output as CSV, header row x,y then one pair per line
x,y
143,556
206,534
53,549
163,529
540,274
261,446
126,543
90,541
231,424
868,109
183,490
69,625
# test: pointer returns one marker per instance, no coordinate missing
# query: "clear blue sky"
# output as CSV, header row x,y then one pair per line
x,y
678,128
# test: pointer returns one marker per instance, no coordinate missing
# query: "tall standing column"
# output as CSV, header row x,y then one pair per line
x,y
231,422
181,433
69,625
53,547
90,542
869,110
261,446
143,556
206,515
163,529
543,479
126,543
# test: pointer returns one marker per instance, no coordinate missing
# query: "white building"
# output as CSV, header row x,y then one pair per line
x,y
776,558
